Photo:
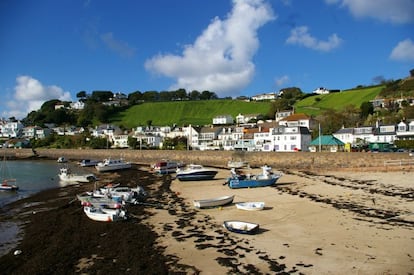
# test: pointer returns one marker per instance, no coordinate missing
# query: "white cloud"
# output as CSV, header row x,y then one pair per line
x,y
282,80
301,36
220,60
30,94
395,11
120,47
404,51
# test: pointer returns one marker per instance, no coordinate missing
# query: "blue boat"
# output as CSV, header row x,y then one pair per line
x,y
266,178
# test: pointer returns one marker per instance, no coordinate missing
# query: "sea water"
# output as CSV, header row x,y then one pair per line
x,y
31,177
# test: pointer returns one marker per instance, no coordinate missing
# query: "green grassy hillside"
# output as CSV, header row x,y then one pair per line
x,y
202,112
314,105
186,112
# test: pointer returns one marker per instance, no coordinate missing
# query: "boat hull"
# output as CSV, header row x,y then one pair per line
x,y
214,202
99,214
241,227
196,176
107,168
251,183
250,206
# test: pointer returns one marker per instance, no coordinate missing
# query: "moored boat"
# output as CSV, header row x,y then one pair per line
x,y
213,202
250,206
7,182
112,165
266,178
102,215
66,175
241,227
166,167
88,162
195,172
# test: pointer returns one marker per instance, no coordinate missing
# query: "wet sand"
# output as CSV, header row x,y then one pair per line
x,y
313,223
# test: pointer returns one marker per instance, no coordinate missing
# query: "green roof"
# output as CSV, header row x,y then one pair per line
x,y
326,140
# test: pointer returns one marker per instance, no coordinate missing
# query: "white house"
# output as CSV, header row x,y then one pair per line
x,y
78,105
321,91
290,138
405,130
223,120
300,119
265,96
282,114
11,129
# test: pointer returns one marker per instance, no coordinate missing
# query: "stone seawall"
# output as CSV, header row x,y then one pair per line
x,y
297,160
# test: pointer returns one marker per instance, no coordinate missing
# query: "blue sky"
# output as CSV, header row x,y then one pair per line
x,y
54,49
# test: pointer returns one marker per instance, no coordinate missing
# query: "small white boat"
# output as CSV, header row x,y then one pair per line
x,y
112,164
102,215
66,175
241,227
62,160
250,206
9,185
214,202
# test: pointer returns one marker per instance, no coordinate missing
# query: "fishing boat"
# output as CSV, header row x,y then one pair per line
x,y
194,172
66,175
7,182
166,167
214,202
112,165
102,215
266,178
88,162
62,160
250,206
241,227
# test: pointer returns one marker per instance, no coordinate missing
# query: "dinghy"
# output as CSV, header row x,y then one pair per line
x,y
102,215
250,206
241,227
214,202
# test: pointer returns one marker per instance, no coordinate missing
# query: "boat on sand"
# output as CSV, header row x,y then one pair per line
x,y
250,206
241,227
112,165
213,202
102,215
266,178
195,172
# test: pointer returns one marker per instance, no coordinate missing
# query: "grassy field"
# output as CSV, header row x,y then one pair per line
x,y
202,112
187,112
314,105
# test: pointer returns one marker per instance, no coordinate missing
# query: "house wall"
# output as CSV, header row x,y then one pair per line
x,y
286,160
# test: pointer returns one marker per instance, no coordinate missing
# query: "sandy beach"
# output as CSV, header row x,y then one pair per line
x,y
328,223
324,222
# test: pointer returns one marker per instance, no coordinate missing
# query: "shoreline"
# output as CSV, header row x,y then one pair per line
x,y
314,222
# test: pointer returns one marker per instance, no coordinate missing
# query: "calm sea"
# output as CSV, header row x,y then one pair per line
x,y
31,176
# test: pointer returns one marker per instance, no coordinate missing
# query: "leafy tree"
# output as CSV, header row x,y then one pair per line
x,y
150,96
102,96
194,95
135,98
81,94
366,109
181,94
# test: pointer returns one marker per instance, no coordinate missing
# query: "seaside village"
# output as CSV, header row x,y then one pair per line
x,y
288,132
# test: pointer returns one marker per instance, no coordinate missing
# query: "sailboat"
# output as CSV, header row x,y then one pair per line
x,y
7,183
